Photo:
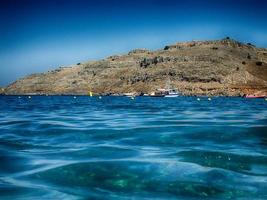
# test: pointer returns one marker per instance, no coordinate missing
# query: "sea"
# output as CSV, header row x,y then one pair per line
x,y
81,147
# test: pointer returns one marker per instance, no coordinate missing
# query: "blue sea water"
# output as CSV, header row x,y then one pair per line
x,y
59,147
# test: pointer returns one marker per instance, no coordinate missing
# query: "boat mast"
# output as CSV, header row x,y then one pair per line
x,y
168,83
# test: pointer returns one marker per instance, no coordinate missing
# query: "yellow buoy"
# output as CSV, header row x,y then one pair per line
x,y
90,93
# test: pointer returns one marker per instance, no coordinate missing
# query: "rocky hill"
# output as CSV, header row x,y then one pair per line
x,y
221,67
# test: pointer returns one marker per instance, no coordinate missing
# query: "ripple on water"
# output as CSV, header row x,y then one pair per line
x,y
166,179
117,148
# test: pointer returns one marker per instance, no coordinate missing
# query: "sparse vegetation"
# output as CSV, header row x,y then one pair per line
x,y
192,44
166,47
190,69
249,44
149,61
259,63
138,51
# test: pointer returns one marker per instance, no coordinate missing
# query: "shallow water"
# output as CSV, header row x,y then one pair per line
x,y
59,147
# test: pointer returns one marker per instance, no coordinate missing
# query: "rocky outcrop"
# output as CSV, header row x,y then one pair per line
x,y
151,61
138,51
221,67
2,91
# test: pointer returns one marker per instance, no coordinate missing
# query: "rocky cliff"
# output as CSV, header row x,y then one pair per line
x,y
221,67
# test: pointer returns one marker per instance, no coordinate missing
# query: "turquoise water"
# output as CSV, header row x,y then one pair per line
x,y
59,147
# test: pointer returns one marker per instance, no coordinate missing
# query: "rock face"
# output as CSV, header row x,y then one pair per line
x,y
2,91
221,67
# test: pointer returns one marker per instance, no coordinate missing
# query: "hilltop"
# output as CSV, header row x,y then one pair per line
x,y
219,67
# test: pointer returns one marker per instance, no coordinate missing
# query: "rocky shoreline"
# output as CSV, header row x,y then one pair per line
x,y
203,68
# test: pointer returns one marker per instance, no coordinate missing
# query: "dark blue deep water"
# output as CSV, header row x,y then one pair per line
x,y
59,147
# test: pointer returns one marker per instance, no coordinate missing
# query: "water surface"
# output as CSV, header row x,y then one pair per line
x,y
59,147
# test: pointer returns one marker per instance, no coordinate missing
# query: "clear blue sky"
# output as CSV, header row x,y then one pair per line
x,y
39,35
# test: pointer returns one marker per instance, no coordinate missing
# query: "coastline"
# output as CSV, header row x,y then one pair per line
x,y
203,68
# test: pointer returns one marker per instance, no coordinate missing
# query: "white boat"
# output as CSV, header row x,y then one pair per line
x,y
129,94
171,93
168,91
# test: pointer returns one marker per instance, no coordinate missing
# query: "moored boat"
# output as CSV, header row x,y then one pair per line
x,y
171,93
158,93
168,91
165,93
253,96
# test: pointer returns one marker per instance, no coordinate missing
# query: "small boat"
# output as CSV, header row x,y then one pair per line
x,y
129,94
253,96
165,93
157,94
171,93
168,91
